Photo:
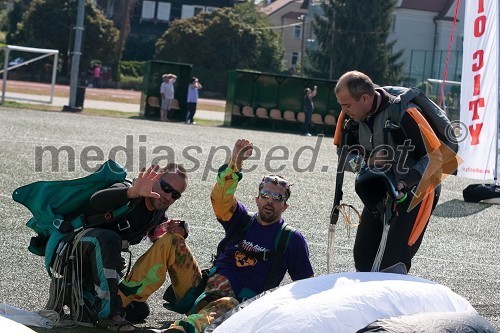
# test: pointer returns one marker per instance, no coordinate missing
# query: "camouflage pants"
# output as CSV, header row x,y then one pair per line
x,y
169,253
219,299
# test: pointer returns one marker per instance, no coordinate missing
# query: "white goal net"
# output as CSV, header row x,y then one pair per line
x,y
15,63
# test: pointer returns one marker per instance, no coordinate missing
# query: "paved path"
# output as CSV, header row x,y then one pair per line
x,y
104,105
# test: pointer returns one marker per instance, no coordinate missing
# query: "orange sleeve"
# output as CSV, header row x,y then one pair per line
x,y
338,129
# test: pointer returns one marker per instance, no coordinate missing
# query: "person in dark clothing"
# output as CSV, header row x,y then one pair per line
x,y
308,109
148,198
388,237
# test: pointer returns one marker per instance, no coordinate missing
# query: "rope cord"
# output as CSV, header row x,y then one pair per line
x,y
445,71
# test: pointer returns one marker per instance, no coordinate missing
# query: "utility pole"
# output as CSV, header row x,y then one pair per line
x,y
75,62
302,46
124,31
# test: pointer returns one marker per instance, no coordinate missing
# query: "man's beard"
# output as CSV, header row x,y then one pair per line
x,y
268,217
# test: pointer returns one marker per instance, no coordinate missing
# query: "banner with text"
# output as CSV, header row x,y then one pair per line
x,y
480,90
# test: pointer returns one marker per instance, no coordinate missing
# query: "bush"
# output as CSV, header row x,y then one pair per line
x,y
129,82
131,69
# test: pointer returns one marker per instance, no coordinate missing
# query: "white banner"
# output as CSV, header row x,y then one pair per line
x,y
480,90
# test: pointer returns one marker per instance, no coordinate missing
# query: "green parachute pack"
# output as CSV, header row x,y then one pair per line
x,y
51,201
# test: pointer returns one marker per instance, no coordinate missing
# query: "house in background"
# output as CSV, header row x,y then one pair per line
x,y
289,17
149,19
422,29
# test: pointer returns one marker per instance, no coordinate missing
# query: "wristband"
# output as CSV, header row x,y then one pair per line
x,y
398,201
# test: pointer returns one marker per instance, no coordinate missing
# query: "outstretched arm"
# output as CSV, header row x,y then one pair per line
x,y
223,199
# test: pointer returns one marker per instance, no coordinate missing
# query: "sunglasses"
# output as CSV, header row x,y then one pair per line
x,y
167,188
276,196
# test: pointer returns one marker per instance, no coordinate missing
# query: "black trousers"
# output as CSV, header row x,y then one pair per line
x,y
370,231
191,110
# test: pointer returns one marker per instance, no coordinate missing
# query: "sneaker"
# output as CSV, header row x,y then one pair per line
x,y
193,123
307,134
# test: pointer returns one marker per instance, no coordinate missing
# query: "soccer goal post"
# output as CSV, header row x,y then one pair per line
x,y
44,53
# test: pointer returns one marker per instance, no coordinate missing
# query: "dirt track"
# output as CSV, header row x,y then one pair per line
x,y
125,96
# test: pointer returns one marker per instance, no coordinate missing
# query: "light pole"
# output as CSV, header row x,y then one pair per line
x,y
75,62
302,45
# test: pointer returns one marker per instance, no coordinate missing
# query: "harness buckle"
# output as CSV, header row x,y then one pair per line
x,y
125,223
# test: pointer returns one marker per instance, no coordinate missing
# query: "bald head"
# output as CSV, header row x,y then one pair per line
x,y
356,83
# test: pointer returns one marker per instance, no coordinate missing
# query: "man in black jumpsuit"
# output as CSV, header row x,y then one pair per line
x,y
148,197
369,107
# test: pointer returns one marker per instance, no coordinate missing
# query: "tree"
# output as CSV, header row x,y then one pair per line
x,y
352,35
49,24
227,38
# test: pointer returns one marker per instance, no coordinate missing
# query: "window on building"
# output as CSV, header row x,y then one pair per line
x,y
148,10
297,32
190,11
163,11
154,10
295,58
210,9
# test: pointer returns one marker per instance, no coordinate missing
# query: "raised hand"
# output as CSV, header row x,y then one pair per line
x,y
143,184
242,150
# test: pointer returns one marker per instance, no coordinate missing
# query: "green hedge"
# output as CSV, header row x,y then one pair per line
x,y
132,68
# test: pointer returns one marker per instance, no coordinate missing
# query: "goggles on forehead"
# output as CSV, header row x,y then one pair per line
x,y
276,180
277,197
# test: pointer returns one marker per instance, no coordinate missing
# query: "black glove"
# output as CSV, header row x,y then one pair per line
x,y
184,225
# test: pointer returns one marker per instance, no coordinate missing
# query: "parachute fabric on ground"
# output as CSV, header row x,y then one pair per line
x,y
10,326
13,319
344,302
435,322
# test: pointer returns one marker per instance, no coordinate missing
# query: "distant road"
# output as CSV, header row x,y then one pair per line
x,y
129,100
129,96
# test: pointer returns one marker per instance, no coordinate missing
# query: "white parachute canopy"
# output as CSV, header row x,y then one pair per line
x,y
344,302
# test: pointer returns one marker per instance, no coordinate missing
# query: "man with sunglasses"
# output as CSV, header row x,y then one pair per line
x,y
148,198
245,261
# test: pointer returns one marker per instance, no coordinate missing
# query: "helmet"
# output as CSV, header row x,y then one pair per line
x,y
372,187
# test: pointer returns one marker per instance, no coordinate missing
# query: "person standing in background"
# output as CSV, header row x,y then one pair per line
x,y
192,99
167,94
308,108
96,74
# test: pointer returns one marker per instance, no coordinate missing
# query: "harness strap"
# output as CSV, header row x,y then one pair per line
x,y
390,207
111,216
285,234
